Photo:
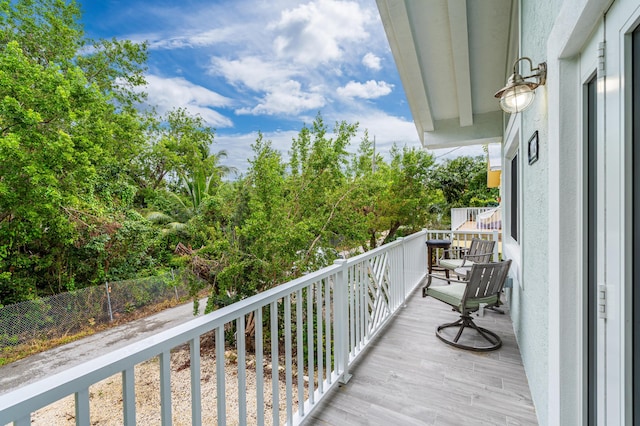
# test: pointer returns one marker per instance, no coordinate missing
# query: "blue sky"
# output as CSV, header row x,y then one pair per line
x,y
264,65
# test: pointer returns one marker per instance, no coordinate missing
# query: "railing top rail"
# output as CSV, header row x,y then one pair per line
x,y
377,250
472,208
464,232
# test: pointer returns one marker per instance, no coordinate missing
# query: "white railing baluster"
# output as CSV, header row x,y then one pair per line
x,y
356,308
196,394
82,407
341,313
221,395
287,357
310,346
129,396
259,367
351,283
364,285
241,348
275,359
327,323
361,299
300,351
319,326
165,388
369,293
335,317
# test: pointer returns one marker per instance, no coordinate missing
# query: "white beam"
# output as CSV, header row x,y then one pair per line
x,y
395,20
460,52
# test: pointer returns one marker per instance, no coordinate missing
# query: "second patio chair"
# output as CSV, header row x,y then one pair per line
x,y
480,251
462,259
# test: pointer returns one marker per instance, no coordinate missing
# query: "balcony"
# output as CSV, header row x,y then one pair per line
x,y
476,218
352,343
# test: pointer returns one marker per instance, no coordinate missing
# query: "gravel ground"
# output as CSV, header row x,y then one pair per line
x,y
106,396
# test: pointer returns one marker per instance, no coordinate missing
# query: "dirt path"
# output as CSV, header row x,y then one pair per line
x,y
36,367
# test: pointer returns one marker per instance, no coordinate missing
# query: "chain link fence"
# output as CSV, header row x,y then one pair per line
x,y
66,313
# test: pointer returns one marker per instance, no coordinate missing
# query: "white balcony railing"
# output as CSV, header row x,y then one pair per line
x,y
462,239
477,218
340,309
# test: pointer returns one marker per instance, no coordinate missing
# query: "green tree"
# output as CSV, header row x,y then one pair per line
x,y
181,177
463,182
393,196
65,136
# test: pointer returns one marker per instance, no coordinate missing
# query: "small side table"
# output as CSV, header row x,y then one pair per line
x,y
437,244
431,245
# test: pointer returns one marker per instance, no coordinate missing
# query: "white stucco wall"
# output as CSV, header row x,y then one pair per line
x,y
548,310
529,309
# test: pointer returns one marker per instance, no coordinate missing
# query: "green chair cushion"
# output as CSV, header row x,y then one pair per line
x,y
452,295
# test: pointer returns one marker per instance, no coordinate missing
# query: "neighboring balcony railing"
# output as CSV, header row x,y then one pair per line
x,y
316,326
476,218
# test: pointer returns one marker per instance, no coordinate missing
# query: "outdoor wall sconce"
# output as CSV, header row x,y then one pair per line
x,y
518,94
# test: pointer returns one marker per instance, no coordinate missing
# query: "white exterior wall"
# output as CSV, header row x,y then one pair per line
x,y
529,310
547,310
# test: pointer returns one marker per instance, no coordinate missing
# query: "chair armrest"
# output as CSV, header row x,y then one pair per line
x,y
441,278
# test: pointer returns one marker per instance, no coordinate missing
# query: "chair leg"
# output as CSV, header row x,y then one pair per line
x,y
466,321
496,307
426,286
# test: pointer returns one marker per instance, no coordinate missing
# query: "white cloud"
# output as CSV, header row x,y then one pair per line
x,y
387,129
286,99
176,92
238,146
370,90
316,32
252,72
196,39
371,61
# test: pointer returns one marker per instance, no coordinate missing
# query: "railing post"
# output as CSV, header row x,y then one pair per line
x,y
403,265
175,287
342,315
495,246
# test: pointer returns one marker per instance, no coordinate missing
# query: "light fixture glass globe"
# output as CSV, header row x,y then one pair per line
x,y
517,98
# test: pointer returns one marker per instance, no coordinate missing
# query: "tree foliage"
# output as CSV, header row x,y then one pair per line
x,y
65,136
463,182
92,189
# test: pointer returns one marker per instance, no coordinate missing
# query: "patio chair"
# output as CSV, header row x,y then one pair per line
x,y
481,289
480,251
460,259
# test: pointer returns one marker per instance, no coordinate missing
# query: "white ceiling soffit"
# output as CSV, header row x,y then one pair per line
x,y
452,57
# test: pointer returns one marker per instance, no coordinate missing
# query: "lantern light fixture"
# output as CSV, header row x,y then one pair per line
x,y
518,94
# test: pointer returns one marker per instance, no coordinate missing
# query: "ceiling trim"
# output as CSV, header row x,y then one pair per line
x,y
487,128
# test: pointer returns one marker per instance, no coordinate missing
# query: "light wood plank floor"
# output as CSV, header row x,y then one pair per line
x,y
410,377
